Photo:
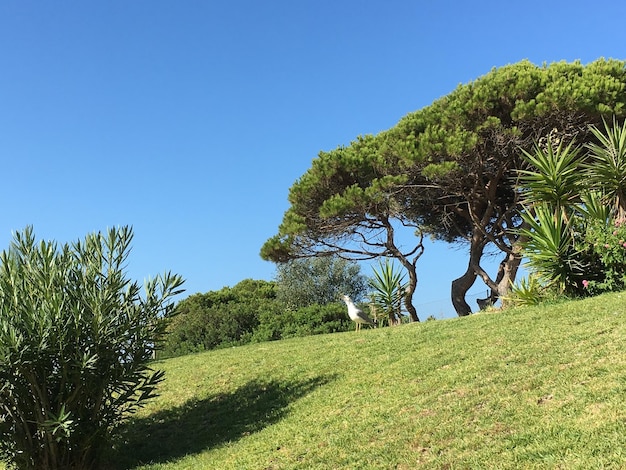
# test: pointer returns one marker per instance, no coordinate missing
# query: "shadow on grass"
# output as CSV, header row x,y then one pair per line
x,y
201,424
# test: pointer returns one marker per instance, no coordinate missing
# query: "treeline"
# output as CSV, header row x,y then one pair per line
x,y
248,312
302,301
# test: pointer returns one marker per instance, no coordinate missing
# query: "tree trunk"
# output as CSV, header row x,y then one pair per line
x,y
506,275
461,285
409,265
410,290
507,272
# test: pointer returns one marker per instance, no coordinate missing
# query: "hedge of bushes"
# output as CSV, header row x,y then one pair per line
x,y
248,312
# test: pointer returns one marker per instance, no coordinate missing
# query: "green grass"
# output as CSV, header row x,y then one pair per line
x,y
539,387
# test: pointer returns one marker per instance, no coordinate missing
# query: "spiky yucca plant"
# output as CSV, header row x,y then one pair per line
x,y
388,286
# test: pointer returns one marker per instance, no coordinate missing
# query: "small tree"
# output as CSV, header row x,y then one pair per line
x,y
303,282
449,171
76,339
388,288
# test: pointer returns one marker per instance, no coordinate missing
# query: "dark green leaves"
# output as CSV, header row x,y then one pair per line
x,y
305,282
550,248
76,338
555,177
388,288
607,165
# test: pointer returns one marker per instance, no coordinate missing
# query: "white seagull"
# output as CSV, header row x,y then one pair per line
x,y
355,313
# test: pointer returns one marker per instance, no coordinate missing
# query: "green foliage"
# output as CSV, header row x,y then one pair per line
x,y
76,339
304,282
220,318
576,237
438,171
527,292
606,257
555,178
252,311
592,206
388,287
607,165
550,248
552,189
311,320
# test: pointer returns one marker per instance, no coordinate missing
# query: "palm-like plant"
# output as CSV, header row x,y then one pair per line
x,y
555,178
528,291
388,286
593,206
550,247
607,165
576,210
552,194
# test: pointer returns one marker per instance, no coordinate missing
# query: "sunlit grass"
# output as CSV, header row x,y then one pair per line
x,y
535,387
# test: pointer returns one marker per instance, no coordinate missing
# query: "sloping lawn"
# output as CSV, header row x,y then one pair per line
x,y
524,388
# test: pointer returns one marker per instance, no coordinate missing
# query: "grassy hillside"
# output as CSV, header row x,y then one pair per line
x,y
525,388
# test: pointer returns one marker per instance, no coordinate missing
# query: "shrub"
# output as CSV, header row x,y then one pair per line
x,y
196,329
311,320
76,338
576,236
248,312
551,249
528,291
219,318
605,246
321,319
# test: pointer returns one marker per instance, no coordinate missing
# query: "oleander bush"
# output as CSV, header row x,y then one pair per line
x,y
76,341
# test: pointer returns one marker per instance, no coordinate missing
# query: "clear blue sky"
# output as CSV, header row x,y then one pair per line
x,y
190,120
